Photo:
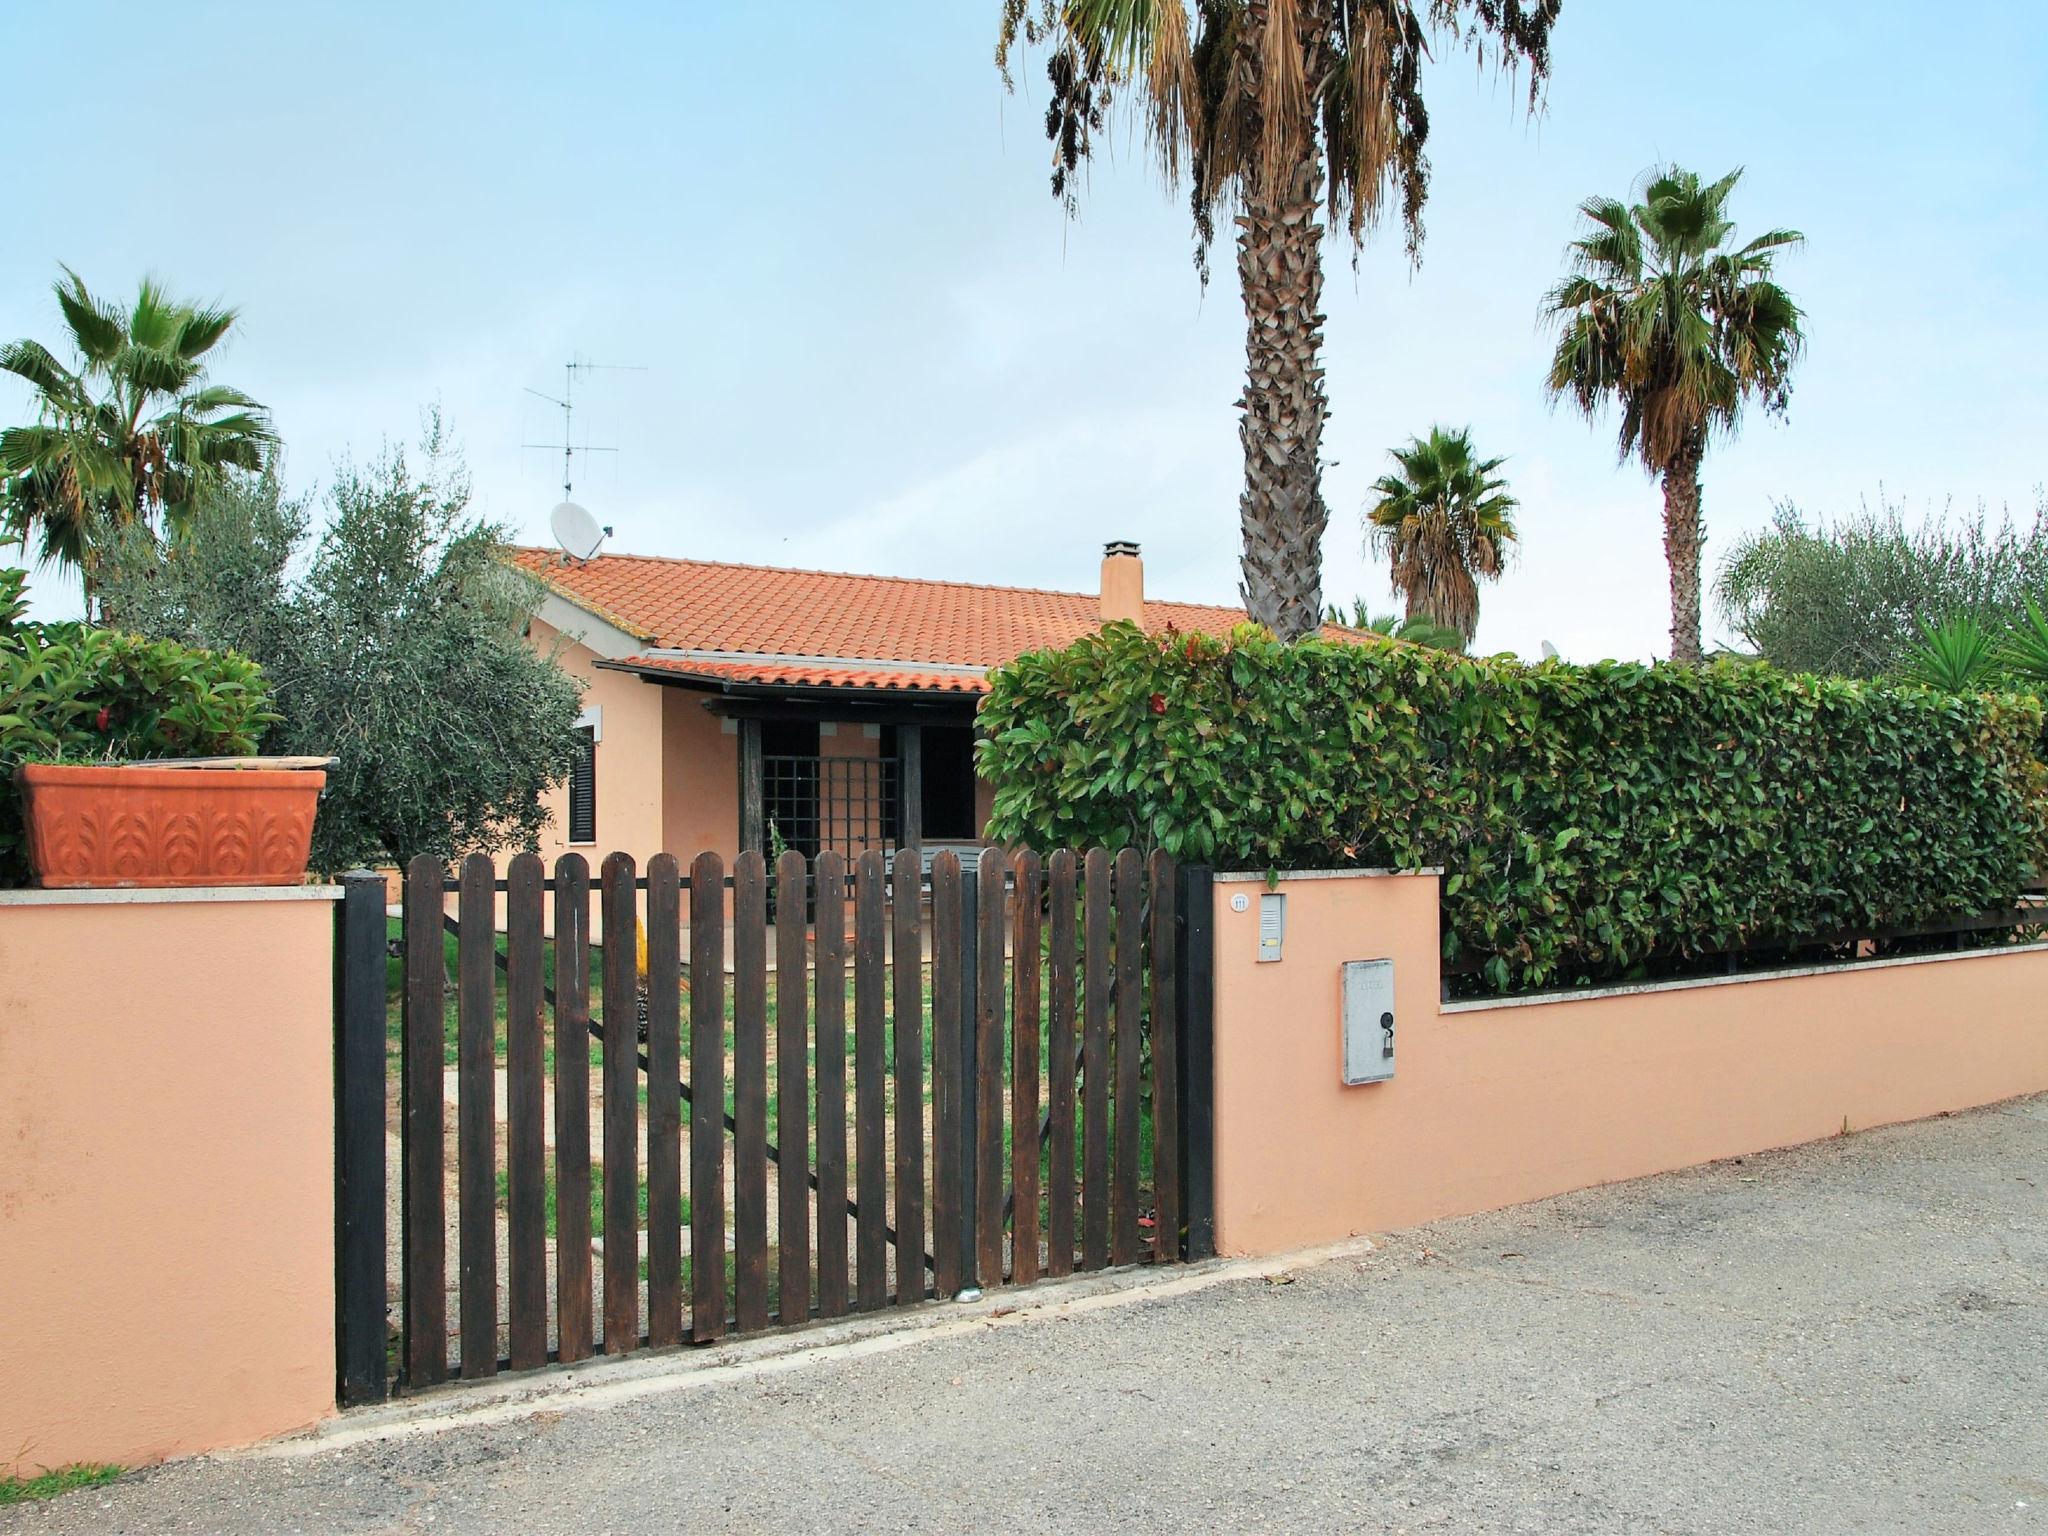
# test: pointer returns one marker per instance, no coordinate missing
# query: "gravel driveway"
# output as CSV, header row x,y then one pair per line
x,y
1851,1336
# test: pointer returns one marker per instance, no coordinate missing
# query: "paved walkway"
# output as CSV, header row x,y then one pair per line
x,y
1846,1337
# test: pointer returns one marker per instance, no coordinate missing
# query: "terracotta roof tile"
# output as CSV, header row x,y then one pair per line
x,y
701,605
809,674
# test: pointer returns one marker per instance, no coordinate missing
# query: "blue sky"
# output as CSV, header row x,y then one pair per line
x,y
873,343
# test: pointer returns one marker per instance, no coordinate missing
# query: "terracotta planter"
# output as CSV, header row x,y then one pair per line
x,y
154,826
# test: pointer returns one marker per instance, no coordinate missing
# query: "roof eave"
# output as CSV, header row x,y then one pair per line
x,y
821,693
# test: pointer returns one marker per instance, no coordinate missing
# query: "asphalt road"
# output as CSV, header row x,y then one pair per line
x,y
1851,1336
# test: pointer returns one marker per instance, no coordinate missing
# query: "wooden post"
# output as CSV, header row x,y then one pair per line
x,y
967,1100
476,1117
423,1196
573,1319
526,1256
359,1131
910,785
621,1130
1194,992
753,790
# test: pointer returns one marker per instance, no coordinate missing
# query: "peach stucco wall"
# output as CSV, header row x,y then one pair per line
x,y
1493,1105
167,1180
701,783
629,778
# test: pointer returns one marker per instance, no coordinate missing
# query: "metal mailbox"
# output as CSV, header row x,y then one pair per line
x,y
1368,1021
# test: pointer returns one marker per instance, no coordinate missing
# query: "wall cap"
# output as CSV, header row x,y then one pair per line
x,y
1690,983
1249,876
132,896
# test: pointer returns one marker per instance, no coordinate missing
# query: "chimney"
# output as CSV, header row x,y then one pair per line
x,y
1123,582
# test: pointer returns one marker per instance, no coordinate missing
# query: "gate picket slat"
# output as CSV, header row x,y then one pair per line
x,y
664,1101
476,1111
1165,1062
750,1089
990,1037
526,1246
792,1092
621,1108
1097,989
948,1159
830,1072
870,1069
907,1018
422,1187
1024,1046
707,1098
1063,942
572,1108
1130,1048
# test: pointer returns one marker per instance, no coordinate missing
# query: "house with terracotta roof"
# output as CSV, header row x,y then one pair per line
x,y
733,707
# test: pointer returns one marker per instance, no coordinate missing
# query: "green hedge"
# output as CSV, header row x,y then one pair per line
x,y
69,693
1588,818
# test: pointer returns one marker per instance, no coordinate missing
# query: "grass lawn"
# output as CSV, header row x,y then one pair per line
x,y
47,1485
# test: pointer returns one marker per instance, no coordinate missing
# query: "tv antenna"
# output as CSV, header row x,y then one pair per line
x,y
575,529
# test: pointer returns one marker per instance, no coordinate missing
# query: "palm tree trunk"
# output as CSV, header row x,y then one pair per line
x,y
1279,264
1683,536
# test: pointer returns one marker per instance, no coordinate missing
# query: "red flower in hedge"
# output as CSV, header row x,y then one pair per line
x,y
1158,703
100,720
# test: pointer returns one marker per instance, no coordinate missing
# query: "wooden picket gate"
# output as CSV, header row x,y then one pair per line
x,y
939,1083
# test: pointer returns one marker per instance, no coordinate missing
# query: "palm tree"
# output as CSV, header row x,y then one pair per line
x,y
1280,113
1665,315
1416,631
1443,520
125,438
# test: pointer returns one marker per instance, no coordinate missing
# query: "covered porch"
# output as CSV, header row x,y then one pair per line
x,y
838,767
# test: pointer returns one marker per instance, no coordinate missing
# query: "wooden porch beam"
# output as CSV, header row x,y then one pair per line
x,y
753,792
910,783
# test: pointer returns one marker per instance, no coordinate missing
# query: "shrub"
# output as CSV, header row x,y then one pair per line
x,y
1851,596
1587,818
75,694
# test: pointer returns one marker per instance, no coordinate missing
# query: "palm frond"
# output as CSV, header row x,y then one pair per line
x,y
201,330
98,328
218,397
58,385
1773,240
153,372
154,319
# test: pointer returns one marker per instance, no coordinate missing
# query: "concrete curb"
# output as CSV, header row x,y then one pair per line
x,y
604,1383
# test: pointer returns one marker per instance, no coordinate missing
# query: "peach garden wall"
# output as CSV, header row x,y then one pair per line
x,y
167,1179
1492,1104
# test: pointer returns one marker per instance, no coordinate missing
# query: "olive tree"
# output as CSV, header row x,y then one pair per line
x,y
394,634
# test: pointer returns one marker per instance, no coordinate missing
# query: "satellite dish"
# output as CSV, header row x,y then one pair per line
x,y
577,531
1549,651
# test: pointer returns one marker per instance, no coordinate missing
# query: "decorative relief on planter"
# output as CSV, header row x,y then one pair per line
x,y
144,826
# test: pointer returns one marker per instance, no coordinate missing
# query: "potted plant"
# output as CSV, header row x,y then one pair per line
x,y
193,822
98,786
